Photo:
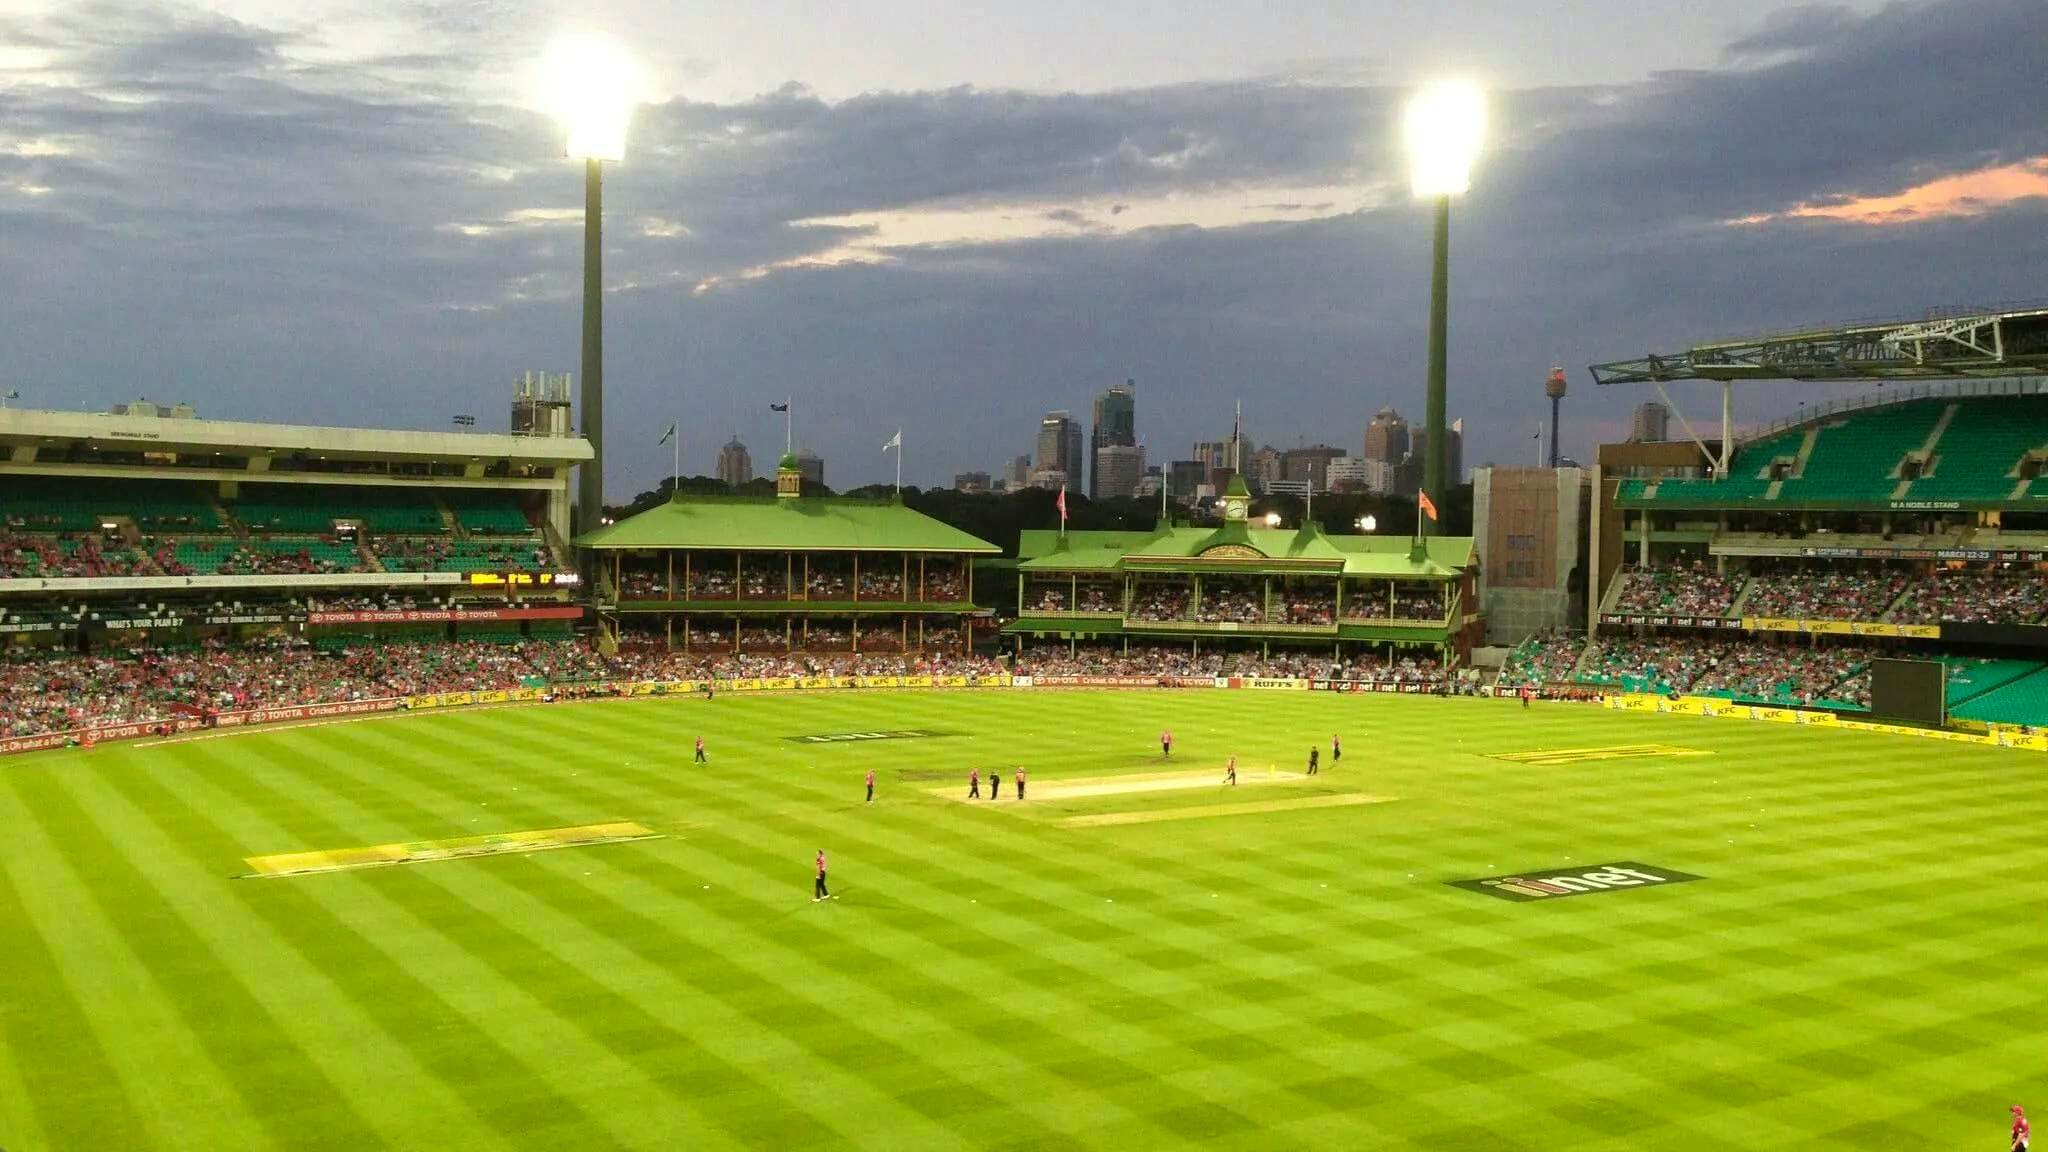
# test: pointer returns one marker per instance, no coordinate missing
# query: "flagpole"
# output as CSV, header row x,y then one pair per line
x,y
899,463
676,482
788,427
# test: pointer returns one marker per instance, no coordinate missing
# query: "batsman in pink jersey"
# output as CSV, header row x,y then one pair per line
x,y
1230,772
820,892
974,783
871,785
2022,1132
1166,744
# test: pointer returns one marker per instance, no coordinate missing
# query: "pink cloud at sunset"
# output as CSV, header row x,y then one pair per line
x,y
1963,194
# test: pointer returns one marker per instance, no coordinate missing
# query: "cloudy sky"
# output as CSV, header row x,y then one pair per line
x,y
953,217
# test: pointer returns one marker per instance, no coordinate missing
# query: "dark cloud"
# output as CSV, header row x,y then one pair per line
x,y
375,243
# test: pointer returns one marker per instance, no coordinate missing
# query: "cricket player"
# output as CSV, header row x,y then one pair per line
x,y
1020,781
700,750
1313,752
1230,772
995,783
820,892
871,785
974,783
1336,749
1166,744
2022,1132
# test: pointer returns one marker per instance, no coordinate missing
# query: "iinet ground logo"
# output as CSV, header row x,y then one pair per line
x,y
1553,884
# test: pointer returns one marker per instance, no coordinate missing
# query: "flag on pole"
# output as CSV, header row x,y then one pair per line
x,y
1061,504
774,407
895,441
1423,501
668,435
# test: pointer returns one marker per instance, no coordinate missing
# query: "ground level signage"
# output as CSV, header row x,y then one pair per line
x,y
1574,880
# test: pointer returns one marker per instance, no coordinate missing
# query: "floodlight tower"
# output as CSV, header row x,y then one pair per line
x,y
1554,388
590,83
1444,127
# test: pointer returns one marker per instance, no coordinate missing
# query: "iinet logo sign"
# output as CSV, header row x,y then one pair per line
x,y
1553,884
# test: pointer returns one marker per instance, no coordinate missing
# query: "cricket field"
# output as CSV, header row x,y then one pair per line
x,y
543,928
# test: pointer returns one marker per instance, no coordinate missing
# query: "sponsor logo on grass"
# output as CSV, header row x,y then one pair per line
x,y
878,734
1572,880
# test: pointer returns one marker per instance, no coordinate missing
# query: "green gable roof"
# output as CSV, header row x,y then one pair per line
x,y
1282,549
807,524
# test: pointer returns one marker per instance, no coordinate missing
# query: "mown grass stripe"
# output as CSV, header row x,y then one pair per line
x,y
119,990
437,1048
219,987
71,1092
578,907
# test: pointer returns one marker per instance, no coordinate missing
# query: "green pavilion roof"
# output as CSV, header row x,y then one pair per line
x,y
805,524
1239,547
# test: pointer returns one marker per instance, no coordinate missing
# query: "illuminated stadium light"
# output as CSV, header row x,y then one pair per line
x,y
1272,519
1444,127
590,85
1368,523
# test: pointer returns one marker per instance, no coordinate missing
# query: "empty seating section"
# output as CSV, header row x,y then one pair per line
x,y
2020,700
266,556
1969,679
1856,457
315,509
1979,452
489,514
52,504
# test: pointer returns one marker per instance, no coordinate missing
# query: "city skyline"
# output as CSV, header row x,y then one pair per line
x,y
951,240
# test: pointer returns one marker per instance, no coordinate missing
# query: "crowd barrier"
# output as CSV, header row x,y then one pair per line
x,y
1729,709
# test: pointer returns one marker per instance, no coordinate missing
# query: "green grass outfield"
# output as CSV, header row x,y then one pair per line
x,y
1861,968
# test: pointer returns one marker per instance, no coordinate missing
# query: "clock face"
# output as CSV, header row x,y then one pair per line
x,y
1234,509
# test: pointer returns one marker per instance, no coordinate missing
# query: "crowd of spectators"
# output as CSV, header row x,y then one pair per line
x,y
1425,604
712,583
1680,590
1747,669
1112,660
55,691
1310,605
827,583
642,585
764,580
1160,601
76,555
1830,592
884,583
1225,602
947,583
2016,596
1545,658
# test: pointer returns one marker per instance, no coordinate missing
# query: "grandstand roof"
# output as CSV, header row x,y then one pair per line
x,y
27,426
1945,344
805,524
1224,549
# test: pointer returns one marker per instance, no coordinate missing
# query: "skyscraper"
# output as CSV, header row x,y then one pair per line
x,y
1018,474
811,466
970,482
735,467
1117,470
1386,438
1059,444
1454,451
1652,423
1116,426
